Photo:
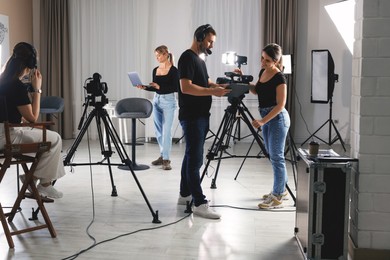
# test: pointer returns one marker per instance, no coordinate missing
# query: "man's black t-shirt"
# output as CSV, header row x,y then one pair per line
x,y
193,68
168,83
266,91
16,94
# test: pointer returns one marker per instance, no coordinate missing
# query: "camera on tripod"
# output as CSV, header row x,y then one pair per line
x,y
96,97
232,77
95,87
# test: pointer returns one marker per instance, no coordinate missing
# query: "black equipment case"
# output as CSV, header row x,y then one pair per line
x,y
322,204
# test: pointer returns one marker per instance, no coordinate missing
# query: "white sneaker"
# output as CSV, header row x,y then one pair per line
x,y
272,202
22,178
205,211
183,200
284,195
49,191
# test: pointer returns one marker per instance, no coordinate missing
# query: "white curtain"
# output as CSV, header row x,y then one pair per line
x,y
112,37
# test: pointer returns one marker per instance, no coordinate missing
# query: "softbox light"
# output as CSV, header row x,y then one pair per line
x,y
287,67
322,76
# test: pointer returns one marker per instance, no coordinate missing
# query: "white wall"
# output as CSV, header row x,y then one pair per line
x,y
165,19
370,211
168,20
317,31
113,38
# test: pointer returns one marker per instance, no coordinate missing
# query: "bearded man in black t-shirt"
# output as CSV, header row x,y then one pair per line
x,y
195,94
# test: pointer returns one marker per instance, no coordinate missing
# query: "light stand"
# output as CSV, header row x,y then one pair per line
x,y
331,124
323,80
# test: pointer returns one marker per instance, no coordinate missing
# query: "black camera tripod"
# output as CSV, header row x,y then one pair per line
x,y
100,114
224,134
222,139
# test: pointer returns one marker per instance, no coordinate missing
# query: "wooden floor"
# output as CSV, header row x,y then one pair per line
x,y
89,221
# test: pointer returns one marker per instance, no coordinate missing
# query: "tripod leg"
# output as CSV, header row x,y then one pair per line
x,y
125,159
211,135
214,180
314,134
79,137
293,159
237,131
291,148
106,154
218,145
243,161
291,194
253,131
338,136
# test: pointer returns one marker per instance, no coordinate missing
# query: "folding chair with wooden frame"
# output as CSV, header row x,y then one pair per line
x,y
23,154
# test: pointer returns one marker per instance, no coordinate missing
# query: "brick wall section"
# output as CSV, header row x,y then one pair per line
x,y
370,125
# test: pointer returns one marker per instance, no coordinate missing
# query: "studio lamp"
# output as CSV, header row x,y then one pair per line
x,y
231,58
323,81
287,67
323,77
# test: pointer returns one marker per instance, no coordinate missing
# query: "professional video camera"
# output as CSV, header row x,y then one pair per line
x,y
95,87
96,97
239,85
96,91
232,77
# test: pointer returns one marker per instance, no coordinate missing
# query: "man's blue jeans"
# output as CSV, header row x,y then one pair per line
x,y
274,135
195,131
164,110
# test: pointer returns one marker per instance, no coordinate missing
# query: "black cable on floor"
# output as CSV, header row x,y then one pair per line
x,y
159,227
253,209
74,256
123,235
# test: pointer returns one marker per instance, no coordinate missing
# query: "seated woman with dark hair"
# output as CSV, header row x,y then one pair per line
x,y
24,106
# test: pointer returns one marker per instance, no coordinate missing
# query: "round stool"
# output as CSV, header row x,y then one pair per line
x,y
133,108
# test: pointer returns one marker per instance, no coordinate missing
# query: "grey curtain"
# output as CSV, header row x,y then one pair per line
x,y
280,26
55,59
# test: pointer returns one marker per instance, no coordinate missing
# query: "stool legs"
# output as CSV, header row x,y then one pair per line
x,y
134,165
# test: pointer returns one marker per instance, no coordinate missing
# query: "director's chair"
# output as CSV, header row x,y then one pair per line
x,y
22,154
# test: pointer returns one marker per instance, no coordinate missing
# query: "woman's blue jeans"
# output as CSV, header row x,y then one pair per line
x,y
195,131
274,135
164,110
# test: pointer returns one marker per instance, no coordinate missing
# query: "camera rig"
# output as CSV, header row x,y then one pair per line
x,y
96,97
96,91
232,77
238,83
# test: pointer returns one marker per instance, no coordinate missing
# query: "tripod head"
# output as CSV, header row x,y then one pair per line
x,y
236,101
